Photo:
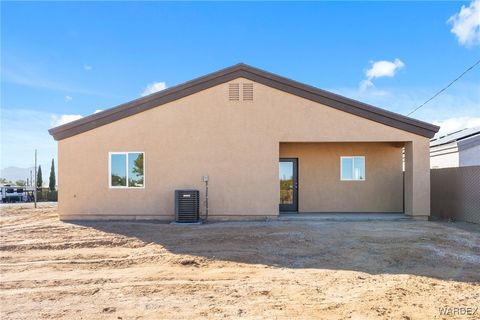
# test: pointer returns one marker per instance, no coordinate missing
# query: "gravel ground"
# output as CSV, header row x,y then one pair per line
x,y
252,270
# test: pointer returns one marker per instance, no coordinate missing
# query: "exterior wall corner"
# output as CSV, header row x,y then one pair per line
x,y
417,178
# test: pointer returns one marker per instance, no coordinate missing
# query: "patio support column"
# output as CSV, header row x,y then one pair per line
x,y
417,179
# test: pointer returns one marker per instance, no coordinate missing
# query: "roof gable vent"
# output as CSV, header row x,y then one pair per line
x,y
247,91
234,92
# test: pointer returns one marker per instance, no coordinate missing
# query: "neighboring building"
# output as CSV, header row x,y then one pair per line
x,y
457,149
262,139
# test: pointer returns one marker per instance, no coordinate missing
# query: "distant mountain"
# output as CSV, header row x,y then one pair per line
x,y
14,173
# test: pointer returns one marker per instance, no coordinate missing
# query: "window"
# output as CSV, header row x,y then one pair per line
x,y
352,168
126,169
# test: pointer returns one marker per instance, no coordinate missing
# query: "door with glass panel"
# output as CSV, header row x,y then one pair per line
x,y
288,176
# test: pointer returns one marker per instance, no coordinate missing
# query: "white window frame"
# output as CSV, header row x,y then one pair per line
x,y
353,168
126,167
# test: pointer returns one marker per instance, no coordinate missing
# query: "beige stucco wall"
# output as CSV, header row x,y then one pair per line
x,y
320,187
235,143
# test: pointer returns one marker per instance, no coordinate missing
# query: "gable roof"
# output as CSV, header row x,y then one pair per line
x,y
244,71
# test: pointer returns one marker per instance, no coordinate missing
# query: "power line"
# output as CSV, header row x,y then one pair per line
x,y
445,88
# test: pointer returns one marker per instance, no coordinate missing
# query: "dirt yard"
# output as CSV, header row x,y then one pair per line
x,y
254,270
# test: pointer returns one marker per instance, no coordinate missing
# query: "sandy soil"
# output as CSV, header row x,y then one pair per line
x,y
254,270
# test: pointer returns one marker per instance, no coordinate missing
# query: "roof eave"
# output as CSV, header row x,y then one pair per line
x,y
242,70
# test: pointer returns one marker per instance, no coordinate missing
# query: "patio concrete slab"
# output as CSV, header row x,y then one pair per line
x,y
343,217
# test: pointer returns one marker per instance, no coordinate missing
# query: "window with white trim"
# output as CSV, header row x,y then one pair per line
x,y
352,168
126,169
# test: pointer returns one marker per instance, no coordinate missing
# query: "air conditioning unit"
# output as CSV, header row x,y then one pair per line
x,y
187,206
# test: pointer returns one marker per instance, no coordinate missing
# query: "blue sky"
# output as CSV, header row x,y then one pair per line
x,y
64,60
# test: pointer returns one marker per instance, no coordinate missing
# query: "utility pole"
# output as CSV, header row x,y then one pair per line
x,y
35,185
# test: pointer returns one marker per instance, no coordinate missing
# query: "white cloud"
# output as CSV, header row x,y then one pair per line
x,y
153,87
87,67
98,110
379,69
384,68
68,98
58,120
455,124
365,84
466,24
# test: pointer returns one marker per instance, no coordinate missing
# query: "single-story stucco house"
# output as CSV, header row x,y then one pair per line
x,y
267,143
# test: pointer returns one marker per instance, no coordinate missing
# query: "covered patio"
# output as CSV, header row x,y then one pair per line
x,y
350,180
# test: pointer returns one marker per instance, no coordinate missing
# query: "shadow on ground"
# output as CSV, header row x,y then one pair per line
x,y
431,249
